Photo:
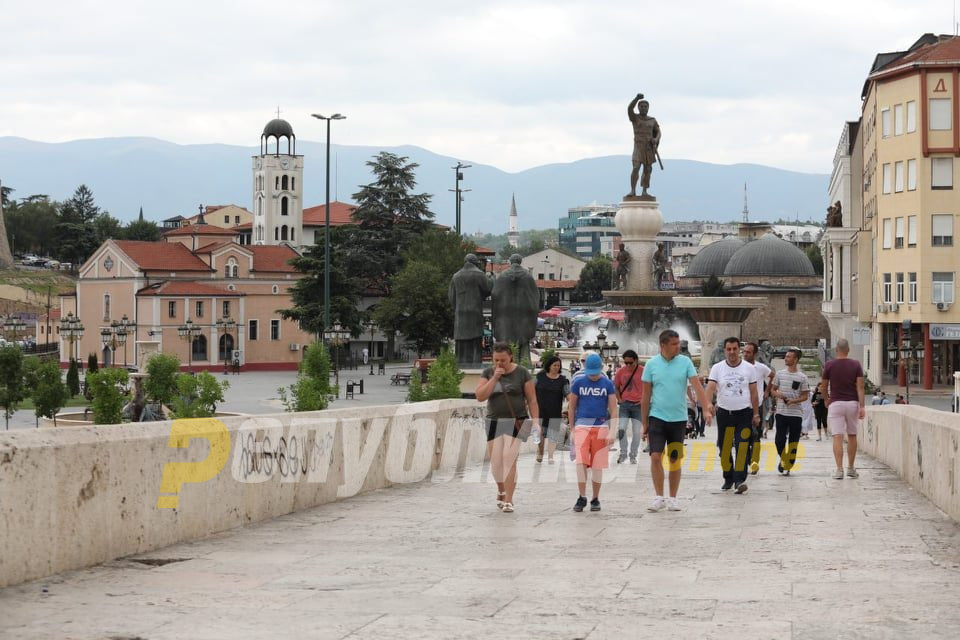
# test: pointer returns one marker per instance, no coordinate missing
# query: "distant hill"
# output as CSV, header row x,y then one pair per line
x,y
167,179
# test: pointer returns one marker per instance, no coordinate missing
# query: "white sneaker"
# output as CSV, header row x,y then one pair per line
x,y
673,504
838,474
852,473
658,504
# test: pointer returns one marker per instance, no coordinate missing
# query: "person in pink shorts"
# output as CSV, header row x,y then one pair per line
x,y
842,388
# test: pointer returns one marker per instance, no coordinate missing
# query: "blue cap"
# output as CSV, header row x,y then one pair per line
x,y
593,365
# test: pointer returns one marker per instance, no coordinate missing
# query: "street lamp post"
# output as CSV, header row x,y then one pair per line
x,y
225,324
189,332
13,324
72,329
121,329
371,325
326,226
335,337
458,176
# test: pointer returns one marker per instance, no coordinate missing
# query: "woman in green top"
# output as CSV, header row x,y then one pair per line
x,y
510,394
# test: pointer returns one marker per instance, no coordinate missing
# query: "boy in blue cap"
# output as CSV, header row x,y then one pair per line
x,y
592,407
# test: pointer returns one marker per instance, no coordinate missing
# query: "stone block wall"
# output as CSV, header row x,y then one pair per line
x,y
781,326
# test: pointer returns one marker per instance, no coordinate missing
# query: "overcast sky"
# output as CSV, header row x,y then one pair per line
x,y
514,84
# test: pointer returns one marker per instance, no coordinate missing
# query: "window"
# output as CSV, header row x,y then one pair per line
x,y
911,175
199,308
291,235
940,119
941,171
172,309
276,183
236,219
887,288
283,206
293,184
885,123
911,116
887,234
540,276
943,286
911,231
898,119
898,177
899,288
898,239
226,308
200,347
942,226
226,219
912,286
276,233
252,330
274,329
106,307
283,232
283,182
791,304
886,178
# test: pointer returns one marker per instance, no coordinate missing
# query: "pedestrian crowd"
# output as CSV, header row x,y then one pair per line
x,y
658,404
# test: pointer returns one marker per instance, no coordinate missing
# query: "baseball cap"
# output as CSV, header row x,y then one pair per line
x,y
593,365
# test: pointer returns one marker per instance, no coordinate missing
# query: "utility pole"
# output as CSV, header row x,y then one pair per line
x,y
458,176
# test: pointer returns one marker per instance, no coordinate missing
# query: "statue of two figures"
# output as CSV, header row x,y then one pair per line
x,y
623,264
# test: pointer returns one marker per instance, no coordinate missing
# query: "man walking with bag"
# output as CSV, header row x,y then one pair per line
x,y
629,385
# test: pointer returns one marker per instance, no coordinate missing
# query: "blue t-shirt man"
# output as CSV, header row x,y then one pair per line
x,y
593,398
668,400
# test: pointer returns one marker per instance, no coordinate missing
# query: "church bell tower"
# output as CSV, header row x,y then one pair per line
x,y
277,187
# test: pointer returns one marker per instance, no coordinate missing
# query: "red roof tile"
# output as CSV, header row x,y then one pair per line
x,y
161,256
180,288
945,52
341,213
201,230
556,284
272,258
484,251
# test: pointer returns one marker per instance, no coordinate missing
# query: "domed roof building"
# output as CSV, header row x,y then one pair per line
x,y
768,267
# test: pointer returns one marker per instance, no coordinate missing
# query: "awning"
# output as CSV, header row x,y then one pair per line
x,y
552,312
571,313
619,316
587,317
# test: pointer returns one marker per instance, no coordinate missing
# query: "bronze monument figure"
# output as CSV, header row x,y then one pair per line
x,y
659,266
835,215
468,289
516,302
646,145
622,268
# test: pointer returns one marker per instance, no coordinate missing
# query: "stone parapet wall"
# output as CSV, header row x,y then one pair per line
x,y
72,498
922,446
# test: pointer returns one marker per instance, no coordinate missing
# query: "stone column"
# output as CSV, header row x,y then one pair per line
x,y
827,272
837,254
639,222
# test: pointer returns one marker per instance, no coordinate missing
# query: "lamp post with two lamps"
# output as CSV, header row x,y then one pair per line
x,y
13,324
189,332
336,336
116,335
226,324
72,330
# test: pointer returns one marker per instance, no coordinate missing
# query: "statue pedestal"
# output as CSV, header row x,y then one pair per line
x,y
717,318
639,222
471,378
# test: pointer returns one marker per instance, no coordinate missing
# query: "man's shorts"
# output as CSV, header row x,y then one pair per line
x,y
843,417
591,445
662,434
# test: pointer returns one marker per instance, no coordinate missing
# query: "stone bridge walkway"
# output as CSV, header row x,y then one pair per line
x,y
804,556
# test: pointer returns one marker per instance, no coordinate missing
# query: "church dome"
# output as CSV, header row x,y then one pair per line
x,y
278,128
713,258
769,256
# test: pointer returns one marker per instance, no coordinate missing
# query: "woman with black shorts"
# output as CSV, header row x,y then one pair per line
x,y
552,388
511,399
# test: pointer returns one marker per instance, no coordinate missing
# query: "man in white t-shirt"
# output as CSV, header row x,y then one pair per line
x,y
764,378
734,381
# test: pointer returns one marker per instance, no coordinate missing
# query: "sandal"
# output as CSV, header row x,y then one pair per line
x,y
508,507
500,502
539,458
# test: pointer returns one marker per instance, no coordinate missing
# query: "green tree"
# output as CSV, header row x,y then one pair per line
x,y
596,276
312,390
77,233
443,378
107,227
416,392
92,365
73,378
816,259
533,246
47,390
12,388
161,383
198,395
106,394
712,287
28,225
145,230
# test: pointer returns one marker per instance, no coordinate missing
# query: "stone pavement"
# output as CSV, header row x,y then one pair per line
x,y
797,557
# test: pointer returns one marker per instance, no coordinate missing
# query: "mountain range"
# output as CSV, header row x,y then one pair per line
x,y
168,179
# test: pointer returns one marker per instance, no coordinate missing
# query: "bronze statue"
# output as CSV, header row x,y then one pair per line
x,y
646,144
623,268
659,266
835,215
516,302
468,289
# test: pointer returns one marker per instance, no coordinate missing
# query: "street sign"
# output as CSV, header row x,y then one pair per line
x,y
945,331
861,336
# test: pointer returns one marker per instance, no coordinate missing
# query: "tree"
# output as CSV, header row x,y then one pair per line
x,y
417,304
443,378
106,395
73,378
77,234
596,276
161,383
312,390
28,225
107,228
198,395
92,366
712,287
535,245
145,230
12,389
47,390
307,293
816,259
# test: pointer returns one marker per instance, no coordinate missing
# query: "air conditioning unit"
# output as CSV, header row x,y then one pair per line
x,y
236,354
894,308
294,346
943,306
881,308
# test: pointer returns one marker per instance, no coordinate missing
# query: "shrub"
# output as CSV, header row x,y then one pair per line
x,y
12,389
47,390
198,395
73,378
443,378
92,366
161,383
106,395
312,390
415,393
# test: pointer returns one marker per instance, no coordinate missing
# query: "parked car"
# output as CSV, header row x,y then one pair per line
x,y
52,264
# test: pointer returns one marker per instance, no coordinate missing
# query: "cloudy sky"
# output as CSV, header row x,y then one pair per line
x,y
514,83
